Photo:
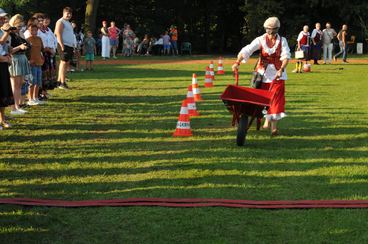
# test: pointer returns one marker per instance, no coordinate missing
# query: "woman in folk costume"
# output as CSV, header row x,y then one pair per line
x,y
105,50
303,44
274,57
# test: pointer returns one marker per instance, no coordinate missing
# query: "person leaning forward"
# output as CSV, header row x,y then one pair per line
x,y
274,57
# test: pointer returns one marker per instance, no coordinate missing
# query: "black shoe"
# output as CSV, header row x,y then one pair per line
x,y
42,97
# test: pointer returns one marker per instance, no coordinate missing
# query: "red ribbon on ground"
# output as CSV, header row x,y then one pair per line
x,y
189,203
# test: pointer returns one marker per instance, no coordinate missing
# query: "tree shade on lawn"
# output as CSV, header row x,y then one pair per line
x,y
110,137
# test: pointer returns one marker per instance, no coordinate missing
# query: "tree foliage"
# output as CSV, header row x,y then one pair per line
x,y
211,25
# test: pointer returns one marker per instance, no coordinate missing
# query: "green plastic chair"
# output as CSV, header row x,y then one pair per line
x,y
186,47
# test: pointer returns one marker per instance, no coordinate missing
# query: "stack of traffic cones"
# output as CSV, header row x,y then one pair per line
x,y
195,87
208,78
212,71
220,67
183,125
192,108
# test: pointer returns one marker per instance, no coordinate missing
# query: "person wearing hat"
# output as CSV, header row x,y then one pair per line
x,y
274,57
66,43
303,45
19,67
6,93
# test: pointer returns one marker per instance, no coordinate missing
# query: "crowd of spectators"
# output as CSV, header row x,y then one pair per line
x,y
319,44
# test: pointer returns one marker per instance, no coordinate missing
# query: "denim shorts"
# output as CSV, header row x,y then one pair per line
x,y
37,76
114,42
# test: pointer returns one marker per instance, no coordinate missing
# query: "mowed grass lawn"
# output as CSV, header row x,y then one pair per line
x,y
110,136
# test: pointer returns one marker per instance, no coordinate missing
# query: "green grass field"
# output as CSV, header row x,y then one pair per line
x,y
110,136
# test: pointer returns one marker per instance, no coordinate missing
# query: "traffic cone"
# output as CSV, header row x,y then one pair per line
x,y
195,87
192,108
212,72
183,125
220,67
208,78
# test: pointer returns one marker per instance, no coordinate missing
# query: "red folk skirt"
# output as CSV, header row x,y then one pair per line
x,y
277,104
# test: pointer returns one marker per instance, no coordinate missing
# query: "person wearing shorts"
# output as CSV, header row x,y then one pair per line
x,y
89,49
114,33
167,44
66,41
36,61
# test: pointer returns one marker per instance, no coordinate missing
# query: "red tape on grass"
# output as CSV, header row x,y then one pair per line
x,y
189,203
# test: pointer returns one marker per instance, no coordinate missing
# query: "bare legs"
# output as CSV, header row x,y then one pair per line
x,y
16,83
62,71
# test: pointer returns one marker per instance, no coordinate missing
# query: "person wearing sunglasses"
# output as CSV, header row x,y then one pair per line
x,y
273,59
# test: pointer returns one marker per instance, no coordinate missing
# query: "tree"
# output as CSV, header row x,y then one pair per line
x,y
91,14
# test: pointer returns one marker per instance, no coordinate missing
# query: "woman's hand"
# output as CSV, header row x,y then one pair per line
x,y
23,47
279,73
235,66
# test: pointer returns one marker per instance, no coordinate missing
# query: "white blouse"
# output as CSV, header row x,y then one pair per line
x,y
270,72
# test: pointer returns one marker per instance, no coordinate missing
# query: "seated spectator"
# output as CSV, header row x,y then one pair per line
x,y
158,46
144,45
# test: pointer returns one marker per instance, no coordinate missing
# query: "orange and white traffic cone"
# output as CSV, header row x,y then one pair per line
x,y
208,78
212,70
192,108
183,125
195,87
220,67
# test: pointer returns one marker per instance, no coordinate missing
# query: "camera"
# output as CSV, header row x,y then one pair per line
x,y
27,44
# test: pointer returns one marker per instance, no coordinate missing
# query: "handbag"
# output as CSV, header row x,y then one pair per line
x,y
299,54
257,78
256,81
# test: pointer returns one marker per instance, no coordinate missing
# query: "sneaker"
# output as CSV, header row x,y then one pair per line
x,y
32,103
17,112
39,101
22,110
295,71
5,124
114,57
63,86
345,62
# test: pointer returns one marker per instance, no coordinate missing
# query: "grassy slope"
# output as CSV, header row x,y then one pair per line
x,y
110,137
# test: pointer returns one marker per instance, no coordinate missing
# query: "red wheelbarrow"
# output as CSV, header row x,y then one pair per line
x,y
245,104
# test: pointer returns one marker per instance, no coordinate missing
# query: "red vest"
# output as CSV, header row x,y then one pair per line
x,y
304,40
270,59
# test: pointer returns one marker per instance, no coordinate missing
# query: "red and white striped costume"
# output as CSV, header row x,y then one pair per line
x,y
273,56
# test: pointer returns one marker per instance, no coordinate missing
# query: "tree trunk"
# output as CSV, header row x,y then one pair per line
x,y
91,14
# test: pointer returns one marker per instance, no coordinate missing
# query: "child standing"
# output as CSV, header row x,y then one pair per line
x,y
89,49
167,44
36,61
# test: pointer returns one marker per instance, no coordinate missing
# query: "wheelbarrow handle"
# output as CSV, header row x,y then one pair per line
x,y
236,75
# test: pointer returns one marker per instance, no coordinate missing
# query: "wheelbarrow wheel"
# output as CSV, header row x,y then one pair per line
x,y
242,130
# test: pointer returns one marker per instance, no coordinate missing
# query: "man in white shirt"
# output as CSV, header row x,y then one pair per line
x,y
328,35
66,42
